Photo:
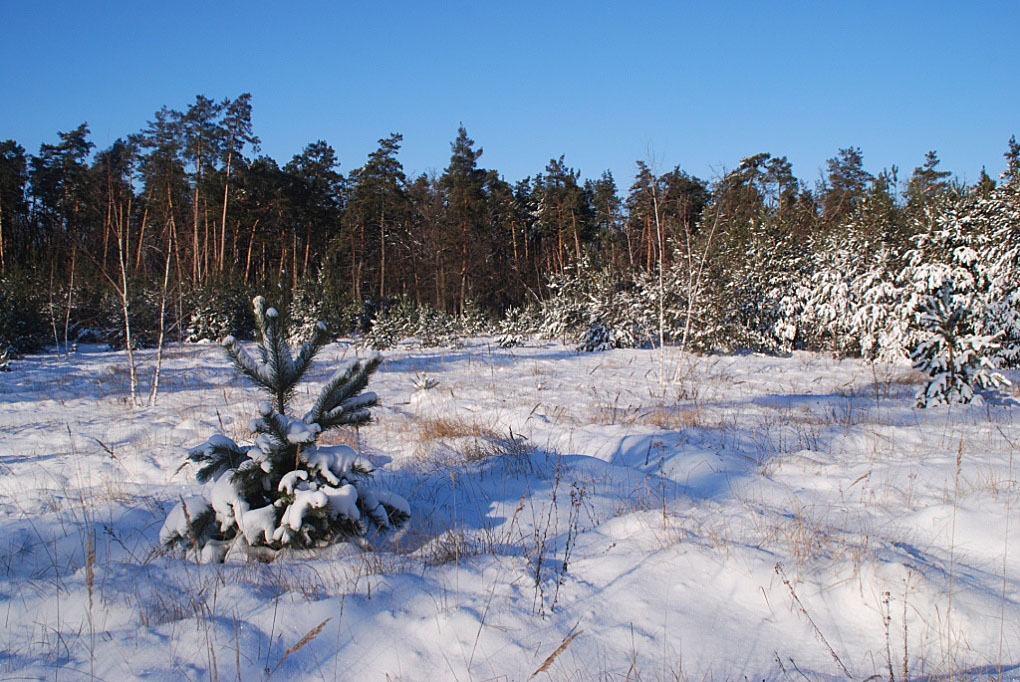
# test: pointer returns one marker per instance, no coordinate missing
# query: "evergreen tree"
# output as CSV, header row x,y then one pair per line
x,y
503,282
164,198
236,134
563,213
1012,156
607,214
846,185
284,490
315,198
926,183
998,215
14,235
640,229
60,185
984,185
953,354
377,210
203,143
463,184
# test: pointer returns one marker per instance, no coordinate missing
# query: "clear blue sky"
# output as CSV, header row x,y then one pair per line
x,y
604,83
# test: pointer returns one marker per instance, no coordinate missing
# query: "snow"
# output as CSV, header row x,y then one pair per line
x,y
289,481
342,501
225,500
213,443
259,524
176,524
737,518
334,460
294,514
300,432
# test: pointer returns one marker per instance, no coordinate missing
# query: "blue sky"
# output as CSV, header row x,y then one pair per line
x,y
699,85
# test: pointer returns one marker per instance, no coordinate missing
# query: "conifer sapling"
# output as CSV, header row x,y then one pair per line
x,y
955,357
284,490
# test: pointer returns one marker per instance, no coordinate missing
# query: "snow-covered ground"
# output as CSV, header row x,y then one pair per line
x,y
620,515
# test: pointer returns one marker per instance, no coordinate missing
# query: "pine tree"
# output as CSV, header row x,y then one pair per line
x,y
846,185
284,490
926,183
598,337
954,356
515,327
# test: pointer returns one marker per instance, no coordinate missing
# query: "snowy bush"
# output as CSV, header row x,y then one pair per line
x,y
954,356
305,312
390,322
283,490
402,318
473,320
23,324
436,328
755,302
314,301
217,312
1000,212
853,305
626,303
597,338
516,327
5,358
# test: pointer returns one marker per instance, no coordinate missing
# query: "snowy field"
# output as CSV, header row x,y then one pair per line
x,y
628,515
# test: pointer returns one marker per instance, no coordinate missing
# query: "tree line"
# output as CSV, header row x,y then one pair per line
x,y
189,204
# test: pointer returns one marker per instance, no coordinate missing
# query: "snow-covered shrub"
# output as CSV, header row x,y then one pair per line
x,y
143,309
852,303
566,311
1000,211
762,294
23,324
314,301
402,318
390,322
5,358
217,312
436,328
948,269
206,324
596,339
473,320
305,311
283,490
952,353
516,327
621,300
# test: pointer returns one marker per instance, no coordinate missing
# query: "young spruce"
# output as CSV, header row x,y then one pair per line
x,y
284,490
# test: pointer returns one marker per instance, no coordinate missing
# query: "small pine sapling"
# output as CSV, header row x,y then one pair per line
x,y
284,490
954,356
514,328
598,337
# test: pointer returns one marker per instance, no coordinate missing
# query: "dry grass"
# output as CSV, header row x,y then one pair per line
x,y
672,418
339,437
807,536
668,418
444,428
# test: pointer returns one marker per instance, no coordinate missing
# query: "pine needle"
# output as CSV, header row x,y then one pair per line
x,y
552,657
312,634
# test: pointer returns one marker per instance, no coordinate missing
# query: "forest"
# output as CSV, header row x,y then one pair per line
x,y
740,486
175,227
